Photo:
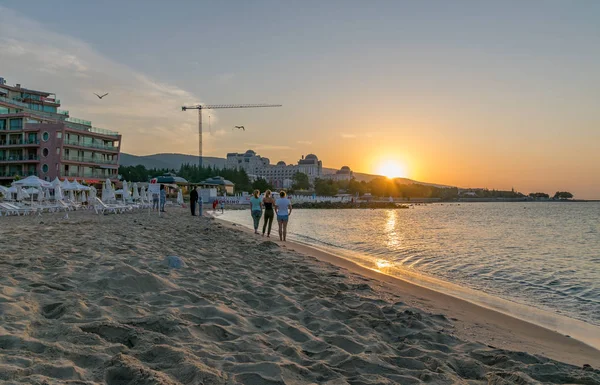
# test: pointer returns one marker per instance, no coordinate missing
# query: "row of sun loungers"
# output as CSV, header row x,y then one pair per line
x,y
96,204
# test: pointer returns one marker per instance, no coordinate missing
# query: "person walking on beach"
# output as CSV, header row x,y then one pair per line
x,y
154,201
256,209
193,200
215,202
163,197
222,206
284,209
268,203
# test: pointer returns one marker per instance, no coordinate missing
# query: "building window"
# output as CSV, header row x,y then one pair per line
x,y
58,135
16,124
45,136
45,152
44,168
2,124
57,151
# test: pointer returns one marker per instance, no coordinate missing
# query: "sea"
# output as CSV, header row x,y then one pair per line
x,y
538,261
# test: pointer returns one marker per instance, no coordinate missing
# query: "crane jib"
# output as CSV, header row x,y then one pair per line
x,y
201,107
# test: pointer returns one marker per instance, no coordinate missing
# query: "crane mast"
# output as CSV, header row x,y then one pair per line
x,y
201,107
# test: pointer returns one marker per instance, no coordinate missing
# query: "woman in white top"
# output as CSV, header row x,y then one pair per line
x,y
283,207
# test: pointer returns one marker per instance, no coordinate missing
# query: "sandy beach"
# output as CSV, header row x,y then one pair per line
x,y
89,299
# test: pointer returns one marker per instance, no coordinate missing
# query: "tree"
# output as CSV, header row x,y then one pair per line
x,y
300,181
539,195
563,195
262,185
325,187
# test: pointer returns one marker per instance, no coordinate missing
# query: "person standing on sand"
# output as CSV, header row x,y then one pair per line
x,y
154,201
215,202
284,210
268,203
163,197
193,200
256,209
222,206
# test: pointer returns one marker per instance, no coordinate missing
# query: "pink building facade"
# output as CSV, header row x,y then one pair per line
x,y
36,138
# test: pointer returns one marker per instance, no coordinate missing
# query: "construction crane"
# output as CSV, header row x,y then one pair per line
x,y
201,107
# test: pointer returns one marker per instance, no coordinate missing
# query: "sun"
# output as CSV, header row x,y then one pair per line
x,y
392,169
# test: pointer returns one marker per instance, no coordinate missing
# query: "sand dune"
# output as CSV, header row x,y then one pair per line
x,y
90,300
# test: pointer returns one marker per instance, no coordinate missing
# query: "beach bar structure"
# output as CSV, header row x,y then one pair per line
x,y
218,182
37,138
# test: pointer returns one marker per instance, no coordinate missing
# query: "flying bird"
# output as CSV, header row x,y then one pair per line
x,y
100,97
240,128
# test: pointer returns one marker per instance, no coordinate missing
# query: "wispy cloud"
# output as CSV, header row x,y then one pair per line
x,y
147,112
304,142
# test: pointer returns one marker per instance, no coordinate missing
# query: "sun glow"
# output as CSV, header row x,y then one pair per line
x,y
392,169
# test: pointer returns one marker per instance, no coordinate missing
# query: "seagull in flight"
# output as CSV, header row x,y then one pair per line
x,y
240,128
100,97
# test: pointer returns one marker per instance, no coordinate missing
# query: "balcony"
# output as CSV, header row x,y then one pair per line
x,y
19,143
88,128
83,159
98,175
62,112
20,158
90,145
79,121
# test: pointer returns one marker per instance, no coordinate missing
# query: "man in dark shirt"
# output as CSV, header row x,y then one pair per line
x,y
193,200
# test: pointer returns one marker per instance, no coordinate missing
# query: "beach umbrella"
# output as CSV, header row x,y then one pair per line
x,y
179,197
4,191
40,195
126,194
31,190
21,194
72,195
93,193
48,194
32,181
83,197
58,195
143,192
136,193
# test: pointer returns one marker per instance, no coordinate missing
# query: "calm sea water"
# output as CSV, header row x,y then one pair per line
x,y
546,255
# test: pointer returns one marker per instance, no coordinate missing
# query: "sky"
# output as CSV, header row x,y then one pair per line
x,y
464,93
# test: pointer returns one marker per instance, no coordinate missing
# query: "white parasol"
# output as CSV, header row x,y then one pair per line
x,y
32,181
179,197
136,193
126,194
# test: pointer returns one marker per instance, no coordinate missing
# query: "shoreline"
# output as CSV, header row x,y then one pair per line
x,y
472,321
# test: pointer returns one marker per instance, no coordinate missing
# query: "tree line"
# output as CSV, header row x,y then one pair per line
x,y
379,187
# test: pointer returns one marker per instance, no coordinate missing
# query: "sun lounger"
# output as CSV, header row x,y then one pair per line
x,y
101,207
13,209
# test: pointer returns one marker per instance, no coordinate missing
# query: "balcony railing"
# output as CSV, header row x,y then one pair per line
x,y
19,158
89,145
79,121
62,112
15,102
18,142
92,174
84,159
97,130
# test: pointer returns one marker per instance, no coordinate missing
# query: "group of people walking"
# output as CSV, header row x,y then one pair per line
x,y
282,207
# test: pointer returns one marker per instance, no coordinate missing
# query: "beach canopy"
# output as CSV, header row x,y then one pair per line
x,y
32,181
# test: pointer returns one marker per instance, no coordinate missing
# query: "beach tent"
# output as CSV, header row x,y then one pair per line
x,y
32,181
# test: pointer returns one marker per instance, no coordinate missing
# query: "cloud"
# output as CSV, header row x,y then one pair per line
x,y
348,136
304,142
146,112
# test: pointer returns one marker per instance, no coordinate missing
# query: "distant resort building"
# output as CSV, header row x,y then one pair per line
x,y
343,174
279,175
37,138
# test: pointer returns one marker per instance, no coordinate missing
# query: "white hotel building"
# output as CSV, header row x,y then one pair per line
x,y
279,175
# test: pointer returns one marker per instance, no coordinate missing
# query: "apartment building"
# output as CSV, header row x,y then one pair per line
x,y
37,138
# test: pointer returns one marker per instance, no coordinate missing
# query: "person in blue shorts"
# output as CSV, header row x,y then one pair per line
x,y
283,207
256,209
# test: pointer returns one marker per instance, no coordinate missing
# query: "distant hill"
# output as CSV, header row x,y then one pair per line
x,y
169,161
174,161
